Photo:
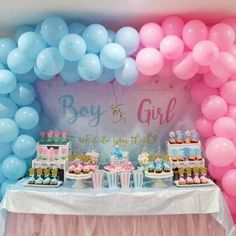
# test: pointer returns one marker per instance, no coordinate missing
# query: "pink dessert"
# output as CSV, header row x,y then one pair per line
x,y
92,167
86,169
189,180
204,179
196,179
182,181
71,169
77,170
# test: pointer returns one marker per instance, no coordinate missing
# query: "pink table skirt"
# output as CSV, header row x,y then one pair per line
x,y
59,225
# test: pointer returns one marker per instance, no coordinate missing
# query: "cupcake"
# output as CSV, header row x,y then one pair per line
x,y
180,158
54,181
172,137
151,168
187,138
77,170
46,181
71,168
189,180
196,179
182,181
194,136
31,180
39,181
179,137
92,168
86,169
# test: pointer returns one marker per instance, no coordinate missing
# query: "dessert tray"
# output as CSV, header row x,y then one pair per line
x,y
43,185
210,183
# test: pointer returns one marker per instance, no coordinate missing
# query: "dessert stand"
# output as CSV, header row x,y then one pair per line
x,y
79,179
158,178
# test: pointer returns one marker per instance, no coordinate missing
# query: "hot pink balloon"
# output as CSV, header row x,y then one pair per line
x,y
213,81
223,35
200,91
204,127
208,140
213,107
193,32
233,77
185,67
171,47
231,112
217,172
224,66
225,127
151,35
173,25
220,151
149,61
232,50
231,202
228,92
166,70
203,69
205,53
231,22
229,182
143,79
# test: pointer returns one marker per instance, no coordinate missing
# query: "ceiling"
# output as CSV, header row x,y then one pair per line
x,y
14,13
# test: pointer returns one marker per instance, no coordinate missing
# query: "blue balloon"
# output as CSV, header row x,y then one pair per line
x,y
50,62
6,46
2,66
24,146
23,94
35,132
26,118
29,77
76,28
111,36
70,72
7,81
128,74
36,105
31,44
38,27
72,47
113,56
96,37
2,176
53,29
7,108
5,150
6,184
14,167
22,29
41,75
128,38
18,62
89,67
106,77
8,130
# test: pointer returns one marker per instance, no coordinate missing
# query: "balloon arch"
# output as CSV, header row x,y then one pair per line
x,y
77,52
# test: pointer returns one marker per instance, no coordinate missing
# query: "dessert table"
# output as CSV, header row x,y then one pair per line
x,y
148,211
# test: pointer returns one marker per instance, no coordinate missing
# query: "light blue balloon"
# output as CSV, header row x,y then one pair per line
x,y
7,81
96,37
22,29
70,72
106,77
8,130
41,75
14,167
76,28
6,46
38,27
50,62
31,44
6,184
7,108
36,105
23,94
89,67
53,29
26,118
128,38
111,36
128,74
29,77
72,47
2,66
5,150
113,56
35,132
2,176
18,62
24,146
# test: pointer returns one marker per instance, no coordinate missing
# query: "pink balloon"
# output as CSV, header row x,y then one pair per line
x,y
225,127
213,81
204,127
223,35
208,140
233,77
231,112
185,67
232,50
200,91
143,79
193,32
151,35
224,66
205,53
203,69
171,47
228,92
173,25
220,152
229,182
231,202
231,22
149,61
217,172
213,107
166,70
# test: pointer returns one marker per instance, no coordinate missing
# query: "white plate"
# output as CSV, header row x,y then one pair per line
x,y
79,176
210,183
159,175
42,185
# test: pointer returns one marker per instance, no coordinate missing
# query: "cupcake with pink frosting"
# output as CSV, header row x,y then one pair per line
x,y
71,168
86,169
77,170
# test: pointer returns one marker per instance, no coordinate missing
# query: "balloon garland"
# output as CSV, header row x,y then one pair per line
x,y
94,53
